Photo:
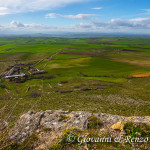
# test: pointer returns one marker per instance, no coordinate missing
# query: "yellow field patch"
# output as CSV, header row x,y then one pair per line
x,y
143,75
69,63
143,63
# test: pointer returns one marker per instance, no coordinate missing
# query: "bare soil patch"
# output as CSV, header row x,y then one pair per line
x,y
78,53
143,75
129,50
143,63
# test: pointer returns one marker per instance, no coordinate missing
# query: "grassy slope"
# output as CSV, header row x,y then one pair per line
x,y
110,67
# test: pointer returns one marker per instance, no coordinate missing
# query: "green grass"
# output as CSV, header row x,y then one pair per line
x,y
68,56
27,144
133,130
80,139
64,143
109,67
109,79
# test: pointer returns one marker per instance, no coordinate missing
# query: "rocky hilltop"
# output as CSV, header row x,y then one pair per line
x,y
55,122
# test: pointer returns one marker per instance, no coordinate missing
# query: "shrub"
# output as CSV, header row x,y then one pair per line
x,y
101,87
47,129
50,77
63,118
3,86
77,86
37,77
57,90
35,94
65,141
94,123
67,91
85,89
63,82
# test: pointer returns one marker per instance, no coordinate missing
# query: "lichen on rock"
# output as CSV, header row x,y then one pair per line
x,y
118,126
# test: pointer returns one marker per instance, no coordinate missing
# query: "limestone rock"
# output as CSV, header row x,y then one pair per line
x,y
56,121
75,119
25,126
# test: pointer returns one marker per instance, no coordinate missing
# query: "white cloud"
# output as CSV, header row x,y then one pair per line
x,y
16,24
98,8
78,16
136,25
3,10
52,15
17,6
84,25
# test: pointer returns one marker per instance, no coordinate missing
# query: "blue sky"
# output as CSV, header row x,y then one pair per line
x,y
45,16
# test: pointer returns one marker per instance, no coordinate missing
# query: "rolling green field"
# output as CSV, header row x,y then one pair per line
x,y
93,74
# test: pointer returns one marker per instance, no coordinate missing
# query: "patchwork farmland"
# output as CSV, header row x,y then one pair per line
x,y
110,75
56,83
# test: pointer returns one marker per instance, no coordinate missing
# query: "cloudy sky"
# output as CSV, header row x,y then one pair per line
x,y
47,16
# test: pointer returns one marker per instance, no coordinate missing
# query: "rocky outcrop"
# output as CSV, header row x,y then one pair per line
x,y
32,122
25,126
55,121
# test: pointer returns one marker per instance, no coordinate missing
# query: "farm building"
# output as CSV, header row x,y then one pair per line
x,y
13,70
34,71
16,78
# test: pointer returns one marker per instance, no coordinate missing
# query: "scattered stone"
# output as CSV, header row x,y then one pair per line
x,y
63,82
67,91
60,85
